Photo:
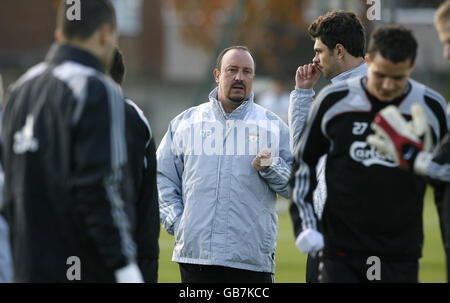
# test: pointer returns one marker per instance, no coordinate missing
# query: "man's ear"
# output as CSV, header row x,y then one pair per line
x,y
59,36
216,75
412,66
367,58
103,34
340,50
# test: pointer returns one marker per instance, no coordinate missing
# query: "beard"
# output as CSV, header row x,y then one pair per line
x,y
235,97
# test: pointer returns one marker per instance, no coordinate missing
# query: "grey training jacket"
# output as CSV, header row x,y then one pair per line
x,y
221,210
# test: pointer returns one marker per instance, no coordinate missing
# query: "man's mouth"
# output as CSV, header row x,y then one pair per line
x,y
238,86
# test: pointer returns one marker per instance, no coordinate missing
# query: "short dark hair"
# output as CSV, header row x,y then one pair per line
x,y
394,42
94,14
223,52
343,27
117,68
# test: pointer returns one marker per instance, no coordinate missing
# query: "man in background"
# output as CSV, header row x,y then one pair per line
x,y
339,46
64,155
372,209
435,165
142,162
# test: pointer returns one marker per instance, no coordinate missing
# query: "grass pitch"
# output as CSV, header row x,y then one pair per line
x,y
290,263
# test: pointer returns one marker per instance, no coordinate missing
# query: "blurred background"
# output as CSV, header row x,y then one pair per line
x,y
170,49
170,46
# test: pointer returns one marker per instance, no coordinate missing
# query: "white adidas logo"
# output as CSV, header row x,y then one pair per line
x,y
23,139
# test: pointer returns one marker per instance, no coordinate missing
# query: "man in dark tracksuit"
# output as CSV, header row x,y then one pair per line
x,y
373,211
65,160
142,161
339,46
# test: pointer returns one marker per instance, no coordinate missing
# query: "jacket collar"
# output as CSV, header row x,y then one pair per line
x,y
59,53
360,70
238,114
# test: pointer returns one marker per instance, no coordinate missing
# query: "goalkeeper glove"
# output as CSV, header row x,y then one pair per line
x,y
310,241
406,143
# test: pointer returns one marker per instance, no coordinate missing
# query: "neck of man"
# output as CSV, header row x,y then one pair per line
x,y
87,46
351,63
229,106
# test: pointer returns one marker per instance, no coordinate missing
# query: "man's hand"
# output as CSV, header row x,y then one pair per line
x,y
307,76
310,241
397,138
129,274
262,160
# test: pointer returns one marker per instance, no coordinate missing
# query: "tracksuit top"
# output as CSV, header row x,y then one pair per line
x,y
372,207
221,210
69,188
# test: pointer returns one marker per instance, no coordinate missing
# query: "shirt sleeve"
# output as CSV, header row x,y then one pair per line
x,y
439,166
311,146
98,160
278,173
169,173
148,226
299,105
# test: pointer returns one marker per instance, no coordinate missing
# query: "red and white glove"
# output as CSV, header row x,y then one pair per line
x,y
406,143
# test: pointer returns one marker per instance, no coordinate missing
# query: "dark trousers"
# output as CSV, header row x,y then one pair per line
x,y
356,270
193,273
312,269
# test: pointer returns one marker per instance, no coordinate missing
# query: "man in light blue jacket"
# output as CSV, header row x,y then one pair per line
x,y
220,166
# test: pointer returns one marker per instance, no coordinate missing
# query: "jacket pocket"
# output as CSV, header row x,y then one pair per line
x,y
270,232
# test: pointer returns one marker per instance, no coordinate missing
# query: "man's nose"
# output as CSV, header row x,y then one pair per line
x,y
239,76
388,84
316,59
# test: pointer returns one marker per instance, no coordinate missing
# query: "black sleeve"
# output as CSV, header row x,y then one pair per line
x,y
295,218
303,181
99,157
148,226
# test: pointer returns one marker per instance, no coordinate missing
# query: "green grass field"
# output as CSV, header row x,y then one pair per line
x,y
290,263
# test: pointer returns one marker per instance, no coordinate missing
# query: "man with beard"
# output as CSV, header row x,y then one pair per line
x,y
216,196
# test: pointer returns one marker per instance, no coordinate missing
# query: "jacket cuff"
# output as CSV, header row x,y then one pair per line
x,y
302,92
271,170
422,162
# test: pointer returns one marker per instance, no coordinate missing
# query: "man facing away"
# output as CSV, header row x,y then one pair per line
x,y
64,154
142,163
373,211
216,196
339,46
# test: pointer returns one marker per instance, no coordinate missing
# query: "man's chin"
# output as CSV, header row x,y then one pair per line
x,y
237,99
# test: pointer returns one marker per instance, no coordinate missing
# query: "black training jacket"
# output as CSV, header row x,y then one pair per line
x,y
142,163
373,208
68,190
